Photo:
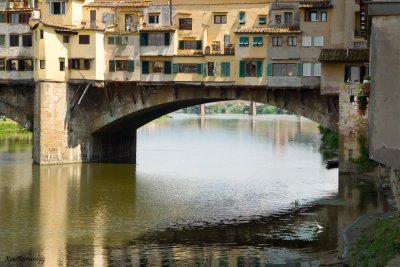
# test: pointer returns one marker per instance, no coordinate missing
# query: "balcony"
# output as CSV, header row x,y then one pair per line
x,y
20,4
215,49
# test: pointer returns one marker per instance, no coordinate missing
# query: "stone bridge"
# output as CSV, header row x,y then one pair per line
x,y
97,122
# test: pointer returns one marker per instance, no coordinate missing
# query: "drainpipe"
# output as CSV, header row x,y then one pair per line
x,y
170,12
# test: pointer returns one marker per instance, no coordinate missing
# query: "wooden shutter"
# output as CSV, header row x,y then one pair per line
x,y
175,68
111,65
131,66
8,64
259,68
299,69
86,64
144,39
167,67
181,44
167,40
363,71
269,69
199,45
242,69
145,67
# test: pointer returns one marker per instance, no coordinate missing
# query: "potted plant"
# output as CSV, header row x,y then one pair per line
x,y
361,103
366,85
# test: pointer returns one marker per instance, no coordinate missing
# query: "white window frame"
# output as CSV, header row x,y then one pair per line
x,y
318,41
306,41
62,8
156,18
317,69
307,69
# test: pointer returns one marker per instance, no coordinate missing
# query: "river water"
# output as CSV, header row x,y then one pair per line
x,y
217,191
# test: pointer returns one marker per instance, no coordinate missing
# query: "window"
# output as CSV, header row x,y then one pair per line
x,y
292,41
41,34
313,16
107,18
121,65
306,42
2,18
154,19
2,64
155,39
185,24
149,67
317,69
42,64
79,63
262,20
324,16
242,17
318,40
27,40
257,41
84,39
243,41
276,41
118,40
284,69
22,18
250,68
19,64
65,39
278,19
14,18
210,69
188,68
2,40
225,69
190,44
57,8
14,40
355,74
307,69
62,64
288,18
219,19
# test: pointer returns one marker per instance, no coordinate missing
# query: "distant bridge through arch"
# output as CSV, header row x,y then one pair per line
x,y
95,122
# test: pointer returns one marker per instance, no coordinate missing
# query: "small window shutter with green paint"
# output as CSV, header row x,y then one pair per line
x,y
242,69
131,65
242,17
198,44
118,40
144,39
167,40
259,68
299,69
181,44
269,69
175,68
111,65
111,40
205,69
199,68
167,67
225,69
145,67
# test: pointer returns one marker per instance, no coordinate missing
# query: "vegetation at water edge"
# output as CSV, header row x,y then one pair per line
x,y
8,126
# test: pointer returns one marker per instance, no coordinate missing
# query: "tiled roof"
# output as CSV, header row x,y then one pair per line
x,y
118,3
58,26
267,30
189,54
158,29
17,9
344,55
315,4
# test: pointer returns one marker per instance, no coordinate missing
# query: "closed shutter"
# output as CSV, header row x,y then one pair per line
x,y
86,64
69,64
167,39
363,71
205,69
111,65
269,69
198,44
299,69
145,67
144,39
346,73
111,40
199,68
167,67
242,69
259,68
181,44
225,69
131,65
175,68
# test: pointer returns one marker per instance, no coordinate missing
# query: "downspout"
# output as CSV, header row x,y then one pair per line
x,y
170,12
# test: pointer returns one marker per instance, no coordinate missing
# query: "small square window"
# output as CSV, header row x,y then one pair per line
x,y
27,40
185,24
154,19
278,19
84,39
262,20
324,16
276,41
318,41
292,41
306,41
65,39
219,19
242,17
14,40
62,64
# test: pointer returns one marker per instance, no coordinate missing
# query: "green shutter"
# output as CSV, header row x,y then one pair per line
x,y
199,68
175,68
299,69
242,69
199,45
124,40
131,65
167,67
225,69
118,40
257,41
145,67
181,44
205,69
269,69
111,65
259,68
167,40
242,18
144,39
111,40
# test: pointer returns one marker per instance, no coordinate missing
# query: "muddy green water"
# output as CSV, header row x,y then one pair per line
x,y
217,191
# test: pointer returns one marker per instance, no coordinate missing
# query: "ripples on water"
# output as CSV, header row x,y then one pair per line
x,y
218,191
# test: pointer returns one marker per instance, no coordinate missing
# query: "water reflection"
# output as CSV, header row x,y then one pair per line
x,y
229,206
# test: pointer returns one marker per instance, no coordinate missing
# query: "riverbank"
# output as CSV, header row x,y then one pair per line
x,y
9,127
